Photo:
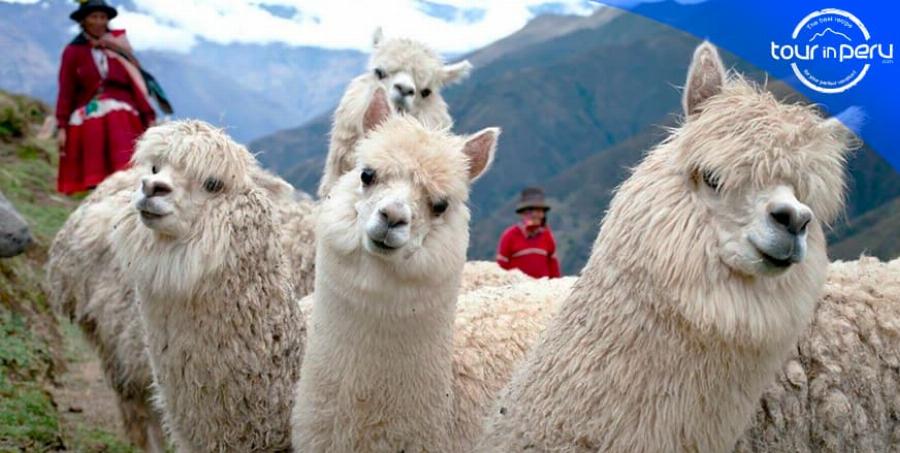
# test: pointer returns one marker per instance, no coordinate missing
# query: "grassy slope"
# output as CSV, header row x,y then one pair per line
x,y
32,355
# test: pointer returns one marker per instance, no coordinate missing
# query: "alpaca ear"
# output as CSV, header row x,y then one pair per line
x,y
456,72
480,149
377,111
842,133
377,37
705,78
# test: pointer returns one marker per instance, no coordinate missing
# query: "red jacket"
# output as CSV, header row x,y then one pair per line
x,y
534,255
79,81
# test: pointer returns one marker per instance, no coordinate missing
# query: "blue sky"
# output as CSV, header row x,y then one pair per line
x,y
451,26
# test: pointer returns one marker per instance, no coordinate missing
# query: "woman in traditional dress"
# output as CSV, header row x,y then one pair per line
x,y
103,103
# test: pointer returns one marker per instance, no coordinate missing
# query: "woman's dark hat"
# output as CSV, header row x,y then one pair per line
x,y
86,7
532,198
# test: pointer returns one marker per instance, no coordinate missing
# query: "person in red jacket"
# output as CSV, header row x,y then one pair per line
x,y
529,245
103,103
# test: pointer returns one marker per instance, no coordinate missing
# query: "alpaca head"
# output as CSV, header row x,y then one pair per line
x,y
187,167
726,216
14,234
767,173
196,185
412,75
404,205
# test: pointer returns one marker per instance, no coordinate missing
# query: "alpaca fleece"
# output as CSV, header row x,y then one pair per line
x,y
224,337
482,274
839,390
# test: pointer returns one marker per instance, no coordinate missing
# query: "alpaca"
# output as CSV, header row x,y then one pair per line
x,y
14,233
838,392
412,75
86,285
202,248
707,268
391,245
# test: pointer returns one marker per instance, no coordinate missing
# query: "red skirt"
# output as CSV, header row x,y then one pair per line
x,y
98,144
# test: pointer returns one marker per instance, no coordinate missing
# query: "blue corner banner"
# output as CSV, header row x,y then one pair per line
x,y
839,54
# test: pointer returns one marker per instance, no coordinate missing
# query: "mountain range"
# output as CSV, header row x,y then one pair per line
x,y
580,100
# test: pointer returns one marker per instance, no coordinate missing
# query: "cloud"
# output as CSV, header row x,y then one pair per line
x,y
450,26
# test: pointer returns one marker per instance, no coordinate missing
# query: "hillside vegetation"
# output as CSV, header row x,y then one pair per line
x,y
35,347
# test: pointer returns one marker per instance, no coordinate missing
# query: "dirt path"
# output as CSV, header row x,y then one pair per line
x,y
87,405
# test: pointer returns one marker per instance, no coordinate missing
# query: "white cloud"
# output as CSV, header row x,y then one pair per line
x,y
336,24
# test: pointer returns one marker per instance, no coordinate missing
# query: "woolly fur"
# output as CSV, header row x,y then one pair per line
x,y
839,390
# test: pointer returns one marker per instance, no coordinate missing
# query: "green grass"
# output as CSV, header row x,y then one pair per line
x,y
28,418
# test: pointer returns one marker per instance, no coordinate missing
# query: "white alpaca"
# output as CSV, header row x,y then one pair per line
x,y
87,285
202,248
391,245
14,234
412,76
706,270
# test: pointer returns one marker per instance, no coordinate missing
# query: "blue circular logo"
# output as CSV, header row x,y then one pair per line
x,y
831,51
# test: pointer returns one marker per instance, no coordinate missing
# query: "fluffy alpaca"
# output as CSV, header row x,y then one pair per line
x,y
707,268
86,284
14,234
838,392
224,338
391,245
412,75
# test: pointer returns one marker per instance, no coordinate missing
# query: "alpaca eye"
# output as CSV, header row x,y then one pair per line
x,y
213,185
367,176
380,73
426,92
154,169
711,180
439,207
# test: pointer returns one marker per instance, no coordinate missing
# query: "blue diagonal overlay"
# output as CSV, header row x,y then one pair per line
x,y
839,54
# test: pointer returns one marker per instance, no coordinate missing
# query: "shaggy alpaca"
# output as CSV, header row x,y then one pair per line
x,y
86,284
412,75
707,268
203,250
391,245
839,390
14,234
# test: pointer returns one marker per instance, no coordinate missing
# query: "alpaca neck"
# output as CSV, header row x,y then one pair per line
x,y
397,361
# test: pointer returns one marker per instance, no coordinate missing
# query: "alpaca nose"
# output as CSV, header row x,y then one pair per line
x,y
155,188
790,217
404,89
394,215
